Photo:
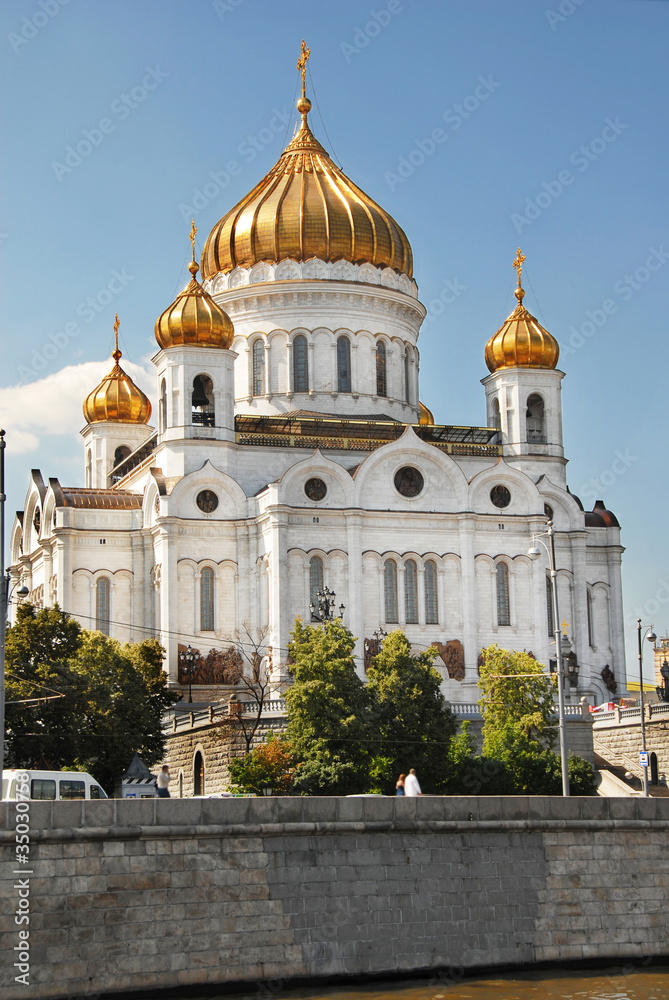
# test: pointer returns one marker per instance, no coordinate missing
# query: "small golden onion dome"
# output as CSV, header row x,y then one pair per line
x,y
426,416
306,207
117,398
521,341
194,319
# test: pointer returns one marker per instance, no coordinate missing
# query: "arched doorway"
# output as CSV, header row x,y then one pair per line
x,y
198,774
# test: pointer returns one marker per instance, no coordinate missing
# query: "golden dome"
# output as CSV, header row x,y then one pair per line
x,y
521,341
306,207
117,397
425,416
194,319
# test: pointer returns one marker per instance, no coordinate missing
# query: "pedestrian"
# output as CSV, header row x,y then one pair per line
x,y
163,783
411,786
399,787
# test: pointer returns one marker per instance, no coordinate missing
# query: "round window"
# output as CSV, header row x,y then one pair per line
x,y
207,501
409,481
500,496
315,489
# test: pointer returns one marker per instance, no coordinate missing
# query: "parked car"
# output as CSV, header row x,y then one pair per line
x,y
23,783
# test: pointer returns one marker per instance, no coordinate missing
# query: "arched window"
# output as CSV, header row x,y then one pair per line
x,y
162,415
407,375
121,453
315,578
496,418
300,364
410,591
198,774
503,610
258,368
102,594
549,606
390,589
207,600
591,631
381,382
343,364
431,598
89,468
534,420
202,401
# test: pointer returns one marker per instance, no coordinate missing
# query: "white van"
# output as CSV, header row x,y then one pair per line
x,y
22,784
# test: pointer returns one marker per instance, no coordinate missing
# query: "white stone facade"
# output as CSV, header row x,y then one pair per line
x,y
461,569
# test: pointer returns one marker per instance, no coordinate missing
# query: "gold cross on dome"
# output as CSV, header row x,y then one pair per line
x,y
193,233
302,64
565,625
117,354
518,264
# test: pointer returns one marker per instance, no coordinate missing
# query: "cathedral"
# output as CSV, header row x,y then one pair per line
x,y
292,470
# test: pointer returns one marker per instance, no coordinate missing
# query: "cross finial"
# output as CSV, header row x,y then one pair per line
x,y
565,625
518,264
302,64
193,234
117,354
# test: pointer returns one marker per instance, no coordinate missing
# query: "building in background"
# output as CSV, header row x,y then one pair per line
x,y
291,453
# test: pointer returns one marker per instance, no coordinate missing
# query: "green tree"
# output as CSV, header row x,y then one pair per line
x,y
470,774
515,690
410,724
519,725
327,711
111,697
268,766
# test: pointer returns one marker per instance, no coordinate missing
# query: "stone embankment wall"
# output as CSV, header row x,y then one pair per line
x,y
130,895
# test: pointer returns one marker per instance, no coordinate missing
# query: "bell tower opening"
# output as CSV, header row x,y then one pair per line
x,y
202,402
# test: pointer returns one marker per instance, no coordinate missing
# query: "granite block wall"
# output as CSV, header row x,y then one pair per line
x,y
132,895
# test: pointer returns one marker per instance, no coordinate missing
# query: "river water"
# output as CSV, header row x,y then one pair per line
x,y
616,982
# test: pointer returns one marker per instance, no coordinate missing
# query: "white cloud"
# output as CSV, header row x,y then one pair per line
x,y
53,404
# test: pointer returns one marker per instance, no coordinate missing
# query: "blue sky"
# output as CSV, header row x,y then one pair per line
x,y
551,134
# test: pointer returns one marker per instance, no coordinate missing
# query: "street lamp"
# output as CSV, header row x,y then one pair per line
x,y
189,659
650,635
323,610
534,553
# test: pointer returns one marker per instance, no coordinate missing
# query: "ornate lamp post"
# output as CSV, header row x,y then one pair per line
x,y
650,635
323,610
534,553
189,659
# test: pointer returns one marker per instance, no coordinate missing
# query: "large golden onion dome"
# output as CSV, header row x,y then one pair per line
x,y
117,397
306,207
521,341
194,319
